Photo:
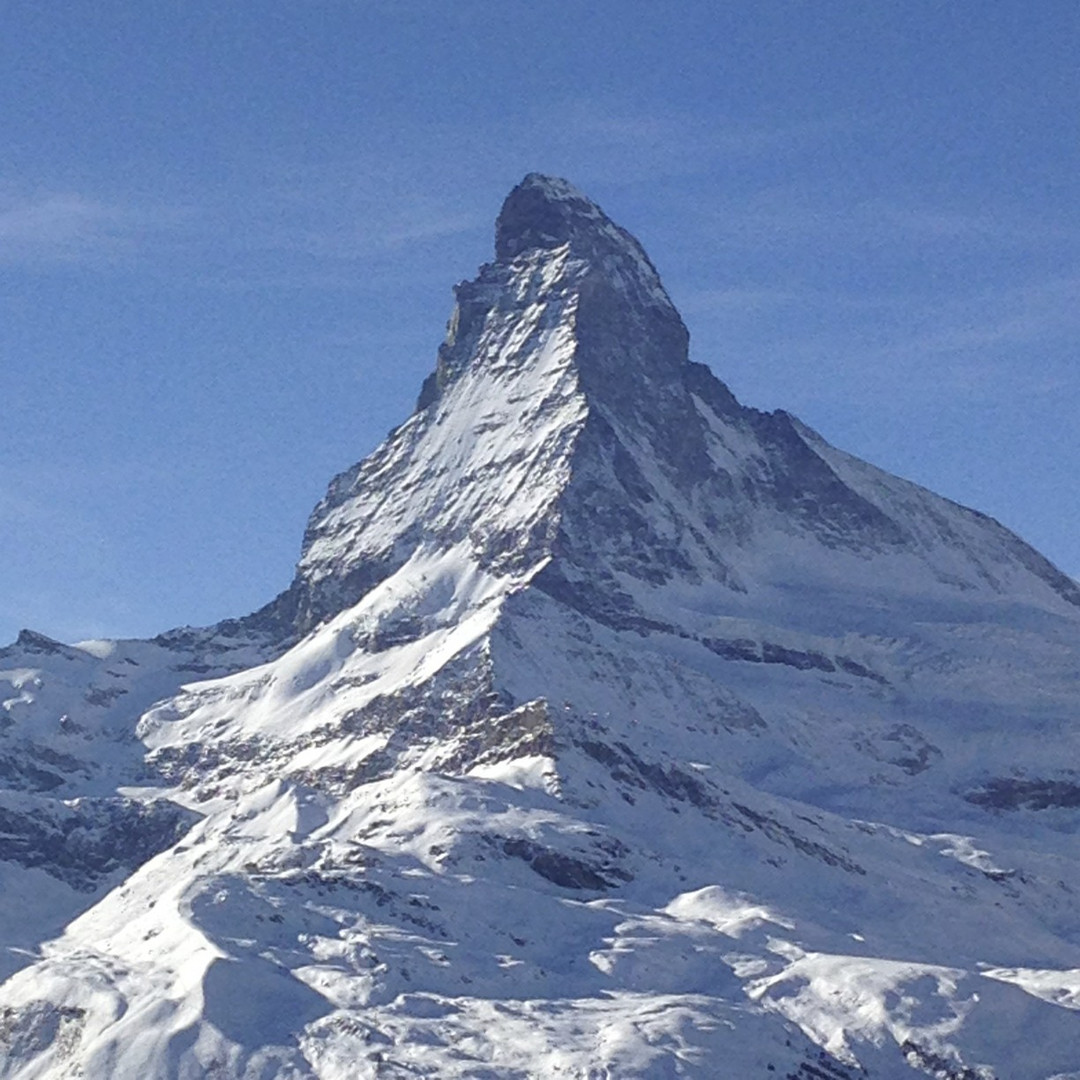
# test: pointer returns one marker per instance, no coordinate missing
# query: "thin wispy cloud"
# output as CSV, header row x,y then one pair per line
x,y
57,226
1001,346
317,218
1007,323
691,133
608,143
355,207
1001,224
789,216
308,225
45,227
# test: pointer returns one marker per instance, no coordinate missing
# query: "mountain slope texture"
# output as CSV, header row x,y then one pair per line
x,y
608,729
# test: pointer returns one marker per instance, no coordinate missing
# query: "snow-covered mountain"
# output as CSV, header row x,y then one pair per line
x,y
609,728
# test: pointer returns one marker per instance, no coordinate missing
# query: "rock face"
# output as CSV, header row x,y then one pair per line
x,y
608,728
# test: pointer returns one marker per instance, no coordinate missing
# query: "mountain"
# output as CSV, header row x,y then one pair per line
x,y
609,728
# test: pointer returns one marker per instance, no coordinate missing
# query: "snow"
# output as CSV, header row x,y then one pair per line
x,y
1057,987
718,800
731,915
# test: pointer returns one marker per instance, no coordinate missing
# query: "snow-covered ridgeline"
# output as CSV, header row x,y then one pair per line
x,y
608,727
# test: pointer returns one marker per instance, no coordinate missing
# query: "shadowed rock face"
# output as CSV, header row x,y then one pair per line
x,y
545,212
541,212
1006,793
89,840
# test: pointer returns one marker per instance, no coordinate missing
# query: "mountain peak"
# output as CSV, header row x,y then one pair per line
x,y
566,370
546,212
598,698
542,212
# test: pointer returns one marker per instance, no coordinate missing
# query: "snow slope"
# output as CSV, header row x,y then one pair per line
x,y
609,728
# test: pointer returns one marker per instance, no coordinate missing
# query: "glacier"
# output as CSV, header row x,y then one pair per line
x,y
608,728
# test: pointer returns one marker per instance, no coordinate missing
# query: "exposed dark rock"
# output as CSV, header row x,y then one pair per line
x,y
901,745
37,1026
734,648
28,766
784,834
667,780
103,696
939,1066
768,652
566,871
85,840
796,658
1005,793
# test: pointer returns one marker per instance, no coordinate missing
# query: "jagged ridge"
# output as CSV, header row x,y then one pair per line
x,y
570,367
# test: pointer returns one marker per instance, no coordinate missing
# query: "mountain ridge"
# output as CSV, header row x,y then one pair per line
x,y
652,397
608,728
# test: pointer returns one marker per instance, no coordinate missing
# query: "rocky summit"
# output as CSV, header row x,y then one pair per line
x,y
609,728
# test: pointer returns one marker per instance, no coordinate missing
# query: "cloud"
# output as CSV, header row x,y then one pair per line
x,y
808,348
787,216
659,132
368,200
998,224
603,142
280,223
58,226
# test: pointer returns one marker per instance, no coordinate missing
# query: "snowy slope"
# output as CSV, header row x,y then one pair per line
x,y
609,728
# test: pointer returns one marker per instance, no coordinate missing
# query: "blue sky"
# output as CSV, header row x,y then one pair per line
x,y
228,233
